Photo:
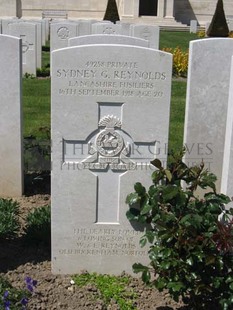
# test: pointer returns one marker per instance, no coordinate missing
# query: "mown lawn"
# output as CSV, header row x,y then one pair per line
x,y
173,39
36,106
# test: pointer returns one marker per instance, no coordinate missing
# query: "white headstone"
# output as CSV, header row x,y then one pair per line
x,y
28,33
38,42
227,172
84,27
125,28
230,24
44,31
46,21
146,32
110,117
60,33
5,24
106,28
193,26
206,102
11,168
107,39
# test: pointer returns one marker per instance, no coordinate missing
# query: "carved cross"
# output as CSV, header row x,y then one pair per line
x,y
25,47
108,154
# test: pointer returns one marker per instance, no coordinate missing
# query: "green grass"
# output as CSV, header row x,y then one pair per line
x,y
45,59
174,39
177,115
110,288
36,106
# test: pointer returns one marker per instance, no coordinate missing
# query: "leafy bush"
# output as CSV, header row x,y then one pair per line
x,y
37,153
190,247
12,298
29,75
218,26
9,218
111,12
38,225
201,34
46,48
15,299
43,72
110,288
180,61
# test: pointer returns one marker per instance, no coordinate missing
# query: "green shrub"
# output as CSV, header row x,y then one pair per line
x,y
10,297
201,34
9,218
43,72
218,26
46,48
29,75
37,152
111,13
38,225
180,61
190,247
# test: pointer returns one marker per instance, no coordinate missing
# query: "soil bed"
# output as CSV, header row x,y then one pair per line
x,y
18,260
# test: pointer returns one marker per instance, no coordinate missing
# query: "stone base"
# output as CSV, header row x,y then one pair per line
x,y
153,20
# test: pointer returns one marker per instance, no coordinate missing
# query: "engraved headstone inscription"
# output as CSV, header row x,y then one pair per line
x,y
206,103
11,168
110,118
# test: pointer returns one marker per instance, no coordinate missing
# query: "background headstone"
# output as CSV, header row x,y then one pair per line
x,y
11,168
28,33
125,28
6,23
110,117
84,27
206,102
193,26
60,33
38,42
230,24
106,28
146,32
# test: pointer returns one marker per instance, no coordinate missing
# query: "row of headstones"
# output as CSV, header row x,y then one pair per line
x,y
60,33
110,118
34,34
